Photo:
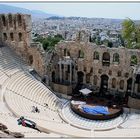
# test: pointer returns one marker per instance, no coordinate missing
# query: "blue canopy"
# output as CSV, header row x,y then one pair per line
x,y
96,110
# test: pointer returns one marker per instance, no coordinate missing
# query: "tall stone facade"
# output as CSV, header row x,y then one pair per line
x,y
103,68
109,70
15,32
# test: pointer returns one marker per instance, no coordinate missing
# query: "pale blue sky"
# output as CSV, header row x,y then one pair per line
x,y
104,10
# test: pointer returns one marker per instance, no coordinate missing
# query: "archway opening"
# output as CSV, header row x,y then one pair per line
x,y
30,59
80,54
4,36
65,52
12,36
106,59
95,80
80,77
96,55
53,76
10,20
3,20
19,20
20,36
88,78
122,84
129,85
116,58
113,83
44,79
104,84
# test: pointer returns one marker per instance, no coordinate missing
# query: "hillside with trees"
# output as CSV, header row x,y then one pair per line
x,y
131,34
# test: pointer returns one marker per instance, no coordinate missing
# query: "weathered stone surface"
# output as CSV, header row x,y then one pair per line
x,y
3,127
74,56
5,133
93,68
16,33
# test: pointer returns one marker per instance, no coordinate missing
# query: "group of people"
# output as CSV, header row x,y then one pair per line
x,y
35,109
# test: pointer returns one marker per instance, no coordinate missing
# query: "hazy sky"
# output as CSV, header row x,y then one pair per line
x,y
104,10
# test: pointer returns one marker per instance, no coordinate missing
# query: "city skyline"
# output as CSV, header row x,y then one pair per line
x,y
92,9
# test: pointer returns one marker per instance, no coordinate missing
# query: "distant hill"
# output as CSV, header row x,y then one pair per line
x,y
35,13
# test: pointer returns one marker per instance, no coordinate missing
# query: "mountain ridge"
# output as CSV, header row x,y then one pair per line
x,y
14,9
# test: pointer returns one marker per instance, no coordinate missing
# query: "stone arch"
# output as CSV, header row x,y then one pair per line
x,y
43,79
3,20
106,59
81,54
80,77
10,20
114,83
4,36
68,53
88,78
116,57
95,80
110,72
12,36
53,76
119,73
129,84
96,55
30,59
133,60
104,83
122,84
138,88
20,36
19,18
65,52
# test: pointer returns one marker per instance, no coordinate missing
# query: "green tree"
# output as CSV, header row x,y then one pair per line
x,y
137,34
49,42
128,32
131,34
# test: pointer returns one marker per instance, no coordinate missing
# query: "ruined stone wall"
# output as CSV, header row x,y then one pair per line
x,y
91,68
16,33
36,58
134,103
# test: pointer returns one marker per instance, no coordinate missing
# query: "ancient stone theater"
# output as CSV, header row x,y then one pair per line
x,y
79,89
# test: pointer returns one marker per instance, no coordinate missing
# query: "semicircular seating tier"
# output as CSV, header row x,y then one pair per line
x,y
26,86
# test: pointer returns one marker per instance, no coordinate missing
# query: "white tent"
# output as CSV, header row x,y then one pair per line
x,y
85,91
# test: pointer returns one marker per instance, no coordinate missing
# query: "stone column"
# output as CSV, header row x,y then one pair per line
x,y
133,84
136,88
64,72
70,73
84,78
75,73
60,71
